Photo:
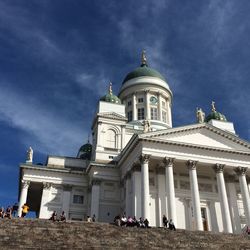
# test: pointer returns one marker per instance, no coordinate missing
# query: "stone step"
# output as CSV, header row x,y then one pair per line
x,y
45,234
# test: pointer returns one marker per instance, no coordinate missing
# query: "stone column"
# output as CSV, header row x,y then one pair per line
x,y
248,181
169,113
233,206
159,107
43,212
195,194
23,196
227,224
241,172
136,194
147,113
95,198
128,200
144,159
134,110
66,199
170,191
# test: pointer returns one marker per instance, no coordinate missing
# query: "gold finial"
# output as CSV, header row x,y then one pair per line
x,y
110,88
213,106
143,58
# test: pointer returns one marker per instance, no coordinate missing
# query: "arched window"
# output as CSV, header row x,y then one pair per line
x,y
110,139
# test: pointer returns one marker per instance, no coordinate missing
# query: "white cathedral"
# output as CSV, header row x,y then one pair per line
x,y
139,164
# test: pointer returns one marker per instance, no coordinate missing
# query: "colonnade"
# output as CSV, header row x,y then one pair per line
x,y
195,195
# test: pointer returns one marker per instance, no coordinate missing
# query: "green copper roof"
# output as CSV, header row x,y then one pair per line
x,y
144,70
110,97
215,115
85,151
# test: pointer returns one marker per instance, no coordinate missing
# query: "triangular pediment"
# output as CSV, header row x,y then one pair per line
x,y
201,135
112,115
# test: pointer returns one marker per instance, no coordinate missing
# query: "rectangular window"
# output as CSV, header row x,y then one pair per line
x,y
164,116
129,103
78,199
130,116
154,115
140,100
163,104
140,114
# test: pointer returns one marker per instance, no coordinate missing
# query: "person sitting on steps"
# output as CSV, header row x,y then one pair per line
x,y
171,225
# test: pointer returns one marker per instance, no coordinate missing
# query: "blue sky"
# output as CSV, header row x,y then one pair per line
x,y
57,58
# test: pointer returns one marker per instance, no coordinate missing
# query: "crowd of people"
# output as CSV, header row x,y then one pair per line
x,y
54,217
142,223
131,221
11,211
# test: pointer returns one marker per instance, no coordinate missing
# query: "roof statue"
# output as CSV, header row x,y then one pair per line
x,y
110,88
143,58
29,157
200,115
146,126
213,106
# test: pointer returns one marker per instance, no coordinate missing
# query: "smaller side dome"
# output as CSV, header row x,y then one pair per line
x,y
85,151
215,115
110,97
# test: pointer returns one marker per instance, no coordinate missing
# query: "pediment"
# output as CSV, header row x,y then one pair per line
x,y
201,135
112,115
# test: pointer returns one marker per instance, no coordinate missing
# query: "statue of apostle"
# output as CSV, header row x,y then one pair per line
x,y
200,115
29,155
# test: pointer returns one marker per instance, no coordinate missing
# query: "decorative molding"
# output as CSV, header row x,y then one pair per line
x,y
168,162
218,168
67,187
144,158
191,165
46,185
240,171
25,184
96,182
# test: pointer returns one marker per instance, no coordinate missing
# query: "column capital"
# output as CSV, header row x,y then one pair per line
x,y
146,91
218,168
168,162
144,158
25,184
67,187
191,165
46,185
96,182
240,171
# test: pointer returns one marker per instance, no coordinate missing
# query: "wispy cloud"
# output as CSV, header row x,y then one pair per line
x,y
51,131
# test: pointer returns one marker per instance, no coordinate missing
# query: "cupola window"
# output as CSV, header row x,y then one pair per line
x,y
164,116
154,113
140,100
140,113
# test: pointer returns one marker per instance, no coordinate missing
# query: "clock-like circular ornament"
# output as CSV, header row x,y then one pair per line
x,y
153,99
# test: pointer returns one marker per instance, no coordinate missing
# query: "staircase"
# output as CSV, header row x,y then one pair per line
x,y
44,234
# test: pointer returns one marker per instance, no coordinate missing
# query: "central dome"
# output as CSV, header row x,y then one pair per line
x,y
144,70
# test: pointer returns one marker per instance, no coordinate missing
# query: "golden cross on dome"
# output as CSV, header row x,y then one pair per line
x,y
110,88
213,106
143,58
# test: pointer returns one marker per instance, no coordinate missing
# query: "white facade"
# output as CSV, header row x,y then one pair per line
x,y
196,174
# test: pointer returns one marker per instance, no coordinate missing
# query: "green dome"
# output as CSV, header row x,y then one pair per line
x,y
85,151
214,115
144,70
109,97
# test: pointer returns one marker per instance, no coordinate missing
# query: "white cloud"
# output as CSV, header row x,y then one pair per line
x,y
53,132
